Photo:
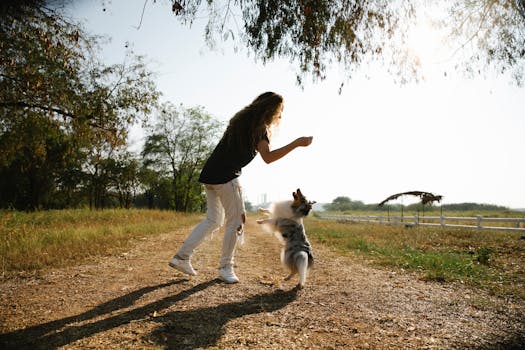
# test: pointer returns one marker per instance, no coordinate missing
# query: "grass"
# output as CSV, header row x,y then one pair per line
x,y
486,259
32,241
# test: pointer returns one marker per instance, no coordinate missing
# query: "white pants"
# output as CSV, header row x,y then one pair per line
x,y
224,201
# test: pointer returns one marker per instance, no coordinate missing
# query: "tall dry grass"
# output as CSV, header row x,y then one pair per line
x,y
31,241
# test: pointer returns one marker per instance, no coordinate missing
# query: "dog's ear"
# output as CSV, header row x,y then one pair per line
x,y
294,195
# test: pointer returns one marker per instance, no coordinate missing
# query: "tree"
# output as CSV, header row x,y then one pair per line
x,y
29,175
49,65
177,144
314,34
491,36
124,179
58,103
248,206
96,178
152,192
343,203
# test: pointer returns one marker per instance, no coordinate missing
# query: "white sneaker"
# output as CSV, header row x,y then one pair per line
x,y
182,266
227,274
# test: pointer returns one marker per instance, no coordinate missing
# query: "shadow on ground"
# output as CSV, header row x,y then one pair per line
x,y
188,329
203,327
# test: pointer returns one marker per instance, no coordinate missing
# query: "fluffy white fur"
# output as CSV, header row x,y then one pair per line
x,y
276,210
278,214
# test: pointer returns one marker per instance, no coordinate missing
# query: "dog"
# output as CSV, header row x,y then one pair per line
x,y
286,222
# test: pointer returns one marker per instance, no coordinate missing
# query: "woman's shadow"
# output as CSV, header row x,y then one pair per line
x,y
203,327
177,330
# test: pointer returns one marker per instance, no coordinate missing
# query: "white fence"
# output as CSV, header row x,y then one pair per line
x,y
477,222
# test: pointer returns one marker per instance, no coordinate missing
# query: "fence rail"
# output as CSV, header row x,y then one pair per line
x,y
477,222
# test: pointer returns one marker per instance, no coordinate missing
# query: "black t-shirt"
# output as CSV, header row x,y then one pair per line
x,y
225,163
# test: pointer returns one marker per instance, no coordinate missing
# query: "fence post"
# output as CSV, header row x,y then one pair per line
x,y
479,219
442,221
416,220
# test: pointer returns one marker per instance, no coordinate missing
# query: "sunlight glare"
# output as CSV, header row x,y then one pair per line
x,y
423,44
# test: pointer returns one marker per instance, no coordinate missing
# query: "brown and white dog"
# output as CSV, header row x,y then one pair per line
x,y
286,222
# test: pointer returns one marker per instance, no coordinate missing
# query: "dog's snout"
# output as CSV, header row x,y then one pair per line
x,y
306,210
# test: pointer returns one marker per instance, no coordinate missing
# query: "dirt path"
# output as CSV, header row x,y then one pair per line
x,y
136,301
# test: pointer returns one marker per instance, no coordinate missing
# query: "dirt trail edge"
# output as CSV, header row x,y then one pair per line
x,y
135,300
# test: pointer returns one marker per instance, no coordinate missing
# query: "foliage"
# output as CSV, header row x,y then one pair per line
x,y
486,35
344,203
248,206
176,146
313,34
492,36
473,207
125,178
48,66
43,153
60,109
318,32
112,180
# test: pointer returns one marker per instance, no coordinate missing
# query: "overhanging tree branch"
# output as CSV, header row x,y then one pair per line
x,y
88,117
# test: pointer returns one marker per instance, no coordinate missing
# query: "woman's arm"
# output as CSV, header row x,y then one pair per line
x,y
263,147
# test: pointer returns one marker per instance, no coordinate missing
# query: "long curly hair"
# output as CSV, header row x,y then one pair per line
x,y
248,126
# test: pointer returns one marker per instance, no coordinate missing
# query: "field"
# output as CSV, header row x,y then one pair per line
x,y
80,279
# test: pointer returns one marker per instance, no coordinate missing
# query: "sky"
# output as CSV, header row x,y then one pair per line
x,y
459,138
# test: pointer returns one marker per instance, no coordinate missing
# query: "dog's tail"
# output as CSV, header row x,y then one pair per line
x,y
310,259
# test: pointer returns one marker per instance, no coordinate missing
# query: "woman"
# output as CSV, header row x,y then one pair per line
x,y
248,132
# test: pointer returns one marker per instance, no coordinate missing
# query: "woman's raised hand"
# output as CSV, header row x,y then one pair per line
x,y
304,141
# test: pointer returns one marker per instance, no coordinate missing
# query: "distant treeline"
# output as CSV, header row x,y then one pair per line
x,y
346,204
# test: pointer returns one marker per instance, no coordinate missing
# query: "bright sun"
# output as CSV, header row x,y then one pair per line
x,y
424,45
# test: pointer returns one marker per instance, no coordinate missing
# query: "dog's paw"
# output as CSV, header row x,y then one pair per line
x,y
299,287
264,211
264,221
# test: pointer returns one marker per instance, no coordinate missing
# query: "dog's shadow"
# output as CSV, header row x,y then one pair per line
x,y
189,329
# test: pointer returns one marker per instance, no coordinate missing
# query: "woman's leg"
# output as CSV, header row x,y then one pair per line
x,y
231,199
224,201
213,221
